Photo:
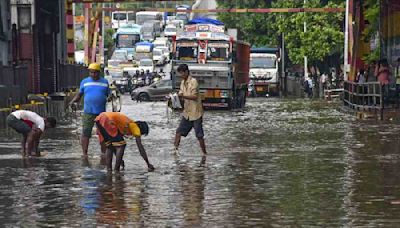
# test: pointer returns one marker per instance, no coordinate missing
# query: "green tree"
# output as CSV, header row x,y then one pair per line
x,y
108,40
324,38
372,14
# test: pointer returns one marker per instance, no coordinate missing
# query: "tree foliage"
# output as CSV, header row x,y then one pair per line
x,y
324,37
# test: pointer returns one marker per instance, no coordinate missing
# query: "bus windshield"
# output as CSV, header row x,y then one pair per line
x,y
127,41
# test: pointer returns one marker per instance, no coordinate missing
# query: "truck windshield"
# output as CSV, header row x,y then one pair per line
x,y
127,41
187,50
146,29
182,17
157,52
119,16
119,56
217,52
141,19
262,62
187,53
170,29
146,62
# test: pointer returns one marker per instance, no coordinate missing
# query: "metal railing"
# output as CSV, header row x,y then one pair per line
x,y
15,82
13,85
331,94
370,96
70,76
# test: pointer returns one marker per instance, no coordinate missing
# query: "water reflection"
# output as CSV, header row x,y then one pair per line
x,y
277,163
112,206
192,186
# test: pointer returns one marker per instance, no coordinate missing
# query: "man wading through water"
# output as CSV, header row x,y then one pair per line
x,y
95,91
192,116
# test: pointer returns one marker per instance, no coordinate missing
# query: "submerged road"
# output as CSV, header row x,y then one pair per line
x,y
276,163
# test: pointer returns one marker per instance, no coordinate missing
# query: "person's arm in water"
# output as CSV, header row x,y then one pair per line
x,y
33,140
143,153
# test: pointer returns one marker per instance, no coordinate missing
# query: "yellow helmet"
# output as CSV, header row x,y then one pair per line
x,y
94,66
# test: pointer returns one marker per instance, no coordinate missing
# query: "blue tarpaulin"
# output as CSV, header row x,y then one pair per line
x,y
203,20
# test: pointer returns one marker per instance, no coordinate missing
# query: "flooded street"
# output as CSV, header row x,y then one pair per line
x,y
276,163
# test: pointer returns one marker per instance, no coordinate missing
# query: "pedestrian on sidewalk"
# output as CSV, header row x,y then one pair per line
x,y
31,126
192,116
361,76
95,90
111,129
308,87
397,75
382,72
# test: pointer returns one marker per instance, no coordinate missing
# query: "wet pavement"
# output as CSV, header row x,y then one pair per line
x,y
276,163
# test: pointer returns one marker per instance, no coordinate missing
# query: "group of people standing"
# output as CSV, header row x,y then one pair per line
x,y
378,72
387,76
112,127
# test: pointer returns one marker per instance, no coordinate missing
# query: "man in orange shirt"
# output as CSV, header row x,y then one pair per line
x,y
111,129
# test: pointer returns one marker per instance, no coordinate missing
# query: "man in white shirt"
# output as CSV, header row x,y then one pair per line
x,y
31,126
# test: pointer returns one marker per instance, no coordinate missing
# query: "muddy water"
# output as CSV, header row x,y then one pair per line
x,y
277,163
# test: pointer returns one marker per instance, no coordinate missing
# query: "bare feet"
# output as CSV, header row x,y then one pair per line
x,y
150,168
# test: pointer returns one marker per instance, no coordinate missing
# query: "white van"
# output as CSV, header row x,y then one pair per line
x,y
170,30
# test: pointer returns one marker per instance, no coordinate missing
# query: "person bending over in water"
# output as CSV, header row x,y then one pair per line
x,y
111,129
31,126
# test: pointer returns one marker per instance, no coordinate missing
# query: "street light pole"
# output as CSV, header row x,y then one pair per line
x,y
305,57
346,43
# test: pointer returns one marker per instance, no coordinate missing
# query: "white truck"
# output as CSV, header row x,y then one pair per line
x,y
264,71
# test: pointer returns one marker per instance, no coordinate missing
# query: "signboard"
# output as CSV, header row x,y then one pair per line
x,y
186,35
187,44
190,28
204,28
218,45
203,35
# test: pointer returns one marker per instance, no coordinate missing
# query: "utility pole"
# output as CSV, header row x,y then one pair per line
x,y
102,57
305,57
346,43
284,81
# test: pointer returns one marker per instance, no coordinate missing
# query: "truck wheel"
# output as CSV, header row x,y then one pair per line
x,y
143,97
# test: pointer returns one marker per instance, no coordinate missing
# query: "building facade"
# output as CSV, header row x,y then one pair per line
x,y
5,33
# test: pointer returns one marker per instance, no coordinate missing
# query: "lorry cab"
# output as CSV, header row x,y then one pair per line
x,y
219,63
264,70
126,38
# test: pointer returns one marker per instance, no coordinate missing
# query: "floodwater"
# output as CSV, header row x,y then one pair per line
x,y
276,163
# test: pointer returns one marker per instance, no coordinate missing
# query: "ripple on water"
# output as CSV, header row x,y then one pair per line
x,y
275,163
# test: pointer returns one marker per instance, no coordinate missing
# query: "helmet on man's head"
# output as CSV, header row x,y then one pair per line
x,y
94,66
